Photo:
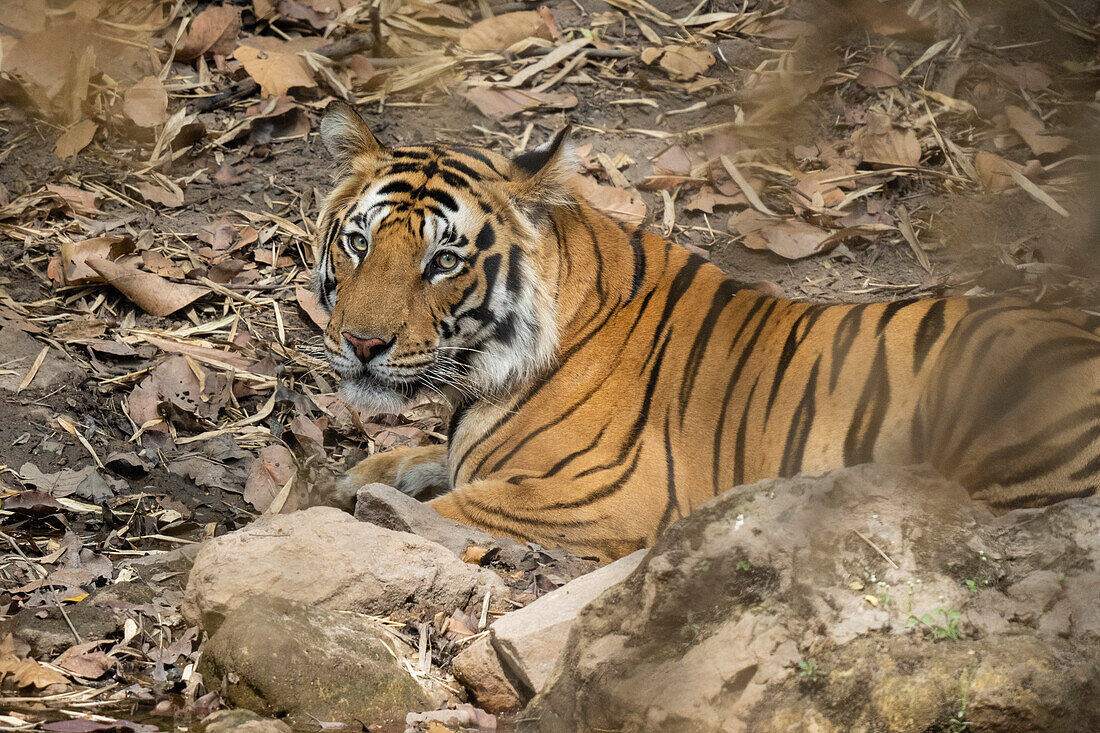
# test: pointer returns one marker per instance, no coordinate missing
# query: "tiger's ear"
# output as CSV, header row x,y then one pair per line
x,y
345,135
540,177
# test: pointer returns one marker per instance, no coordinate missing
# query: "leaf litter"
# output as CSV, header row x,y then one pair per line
x,y
157,242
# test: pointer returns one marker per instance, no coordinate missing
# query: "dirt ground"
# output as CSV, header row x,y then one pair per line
x,y
790,95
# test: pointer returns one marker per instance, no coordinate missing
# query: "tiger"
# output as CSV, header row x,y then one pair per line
x,y
605,381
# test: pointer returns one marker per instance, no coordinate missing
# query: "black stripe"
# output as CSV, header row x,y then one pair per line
x,y
859,443
636,244
670,483
604,491
790,346
721,299
997,466
742,438
801,424
889,312
397,186
846,332
643,413
442,197
515,261
928,332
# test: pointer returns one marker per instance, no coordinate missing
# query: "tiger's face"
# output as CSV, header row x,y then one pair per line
x,y
428,262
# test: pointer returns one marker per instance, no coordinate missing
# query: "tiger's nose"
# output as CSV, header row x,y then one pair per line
x,y
365,348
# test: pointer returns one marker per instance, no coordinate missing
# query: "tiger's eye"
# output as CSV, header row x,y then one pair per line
x,y
359,242
446,261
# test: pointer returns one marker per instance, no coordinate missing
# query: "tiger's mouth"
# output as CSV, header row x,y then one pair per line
x,y
366,390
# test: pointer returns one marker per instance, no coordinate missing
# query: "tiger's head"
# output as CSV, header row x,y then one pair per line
x,y
428,261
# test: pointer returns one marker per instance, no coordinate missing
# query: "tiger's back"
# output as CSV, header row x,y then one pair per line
x,y
665,382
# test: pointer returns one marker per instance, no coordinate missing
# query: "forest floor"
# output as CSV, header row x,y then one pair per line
x,y
157,378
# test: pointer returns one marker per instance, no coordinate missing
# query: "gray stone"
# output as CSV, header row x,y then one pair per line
x,y
387,507
841,603
531,639
280,657
324,557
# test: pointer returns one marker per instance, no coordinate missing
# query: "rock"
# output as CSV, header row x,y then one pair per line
x,y
100,615
387,507
462,717
324,557
281,657
530,640
842,603
479,670
166,568
242,721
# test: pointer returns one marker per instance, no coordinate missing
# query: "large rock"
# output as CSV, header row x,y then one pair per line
x,y
387,507
530,640
867,599
325,558
479,669
280,657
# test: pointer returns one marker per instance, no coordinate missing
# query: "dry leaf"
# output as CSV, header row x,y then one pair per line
x,y
1032,131
994,172
618,203
879,142
26,672
792,238
214,30
80,201
786,30
172,199
501,31
74,257
686,62
270,472
75,139
1030,76
152,293
275,71
500,103
146,103
308,302
707,199
880,71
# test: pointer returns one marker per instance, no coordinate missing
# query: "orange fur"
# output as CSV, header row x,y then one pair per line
x,y
668,383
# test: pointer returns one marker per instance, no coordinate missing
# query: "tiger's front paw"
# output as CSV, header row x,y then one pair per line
x,y
419,472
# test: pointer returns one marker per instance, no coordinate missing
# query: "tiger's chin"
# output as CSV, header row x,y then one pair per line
x,y
372,395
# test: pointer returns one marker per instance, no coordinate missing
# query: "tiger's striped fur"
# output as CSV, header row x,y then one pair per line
x,y
607,382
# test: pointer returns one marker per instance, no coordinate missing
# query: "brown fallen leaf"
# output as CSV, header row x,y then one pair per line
x,y
88,665
498,104
152,293
501,31
270,472
80,201
172,199
782,29
994,172
146,103
213,31
1030,76
792,238
25,672
881,143
75,139
617,202
686,62
276,67
309,303
706,199
1033,132
74,256
879,72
